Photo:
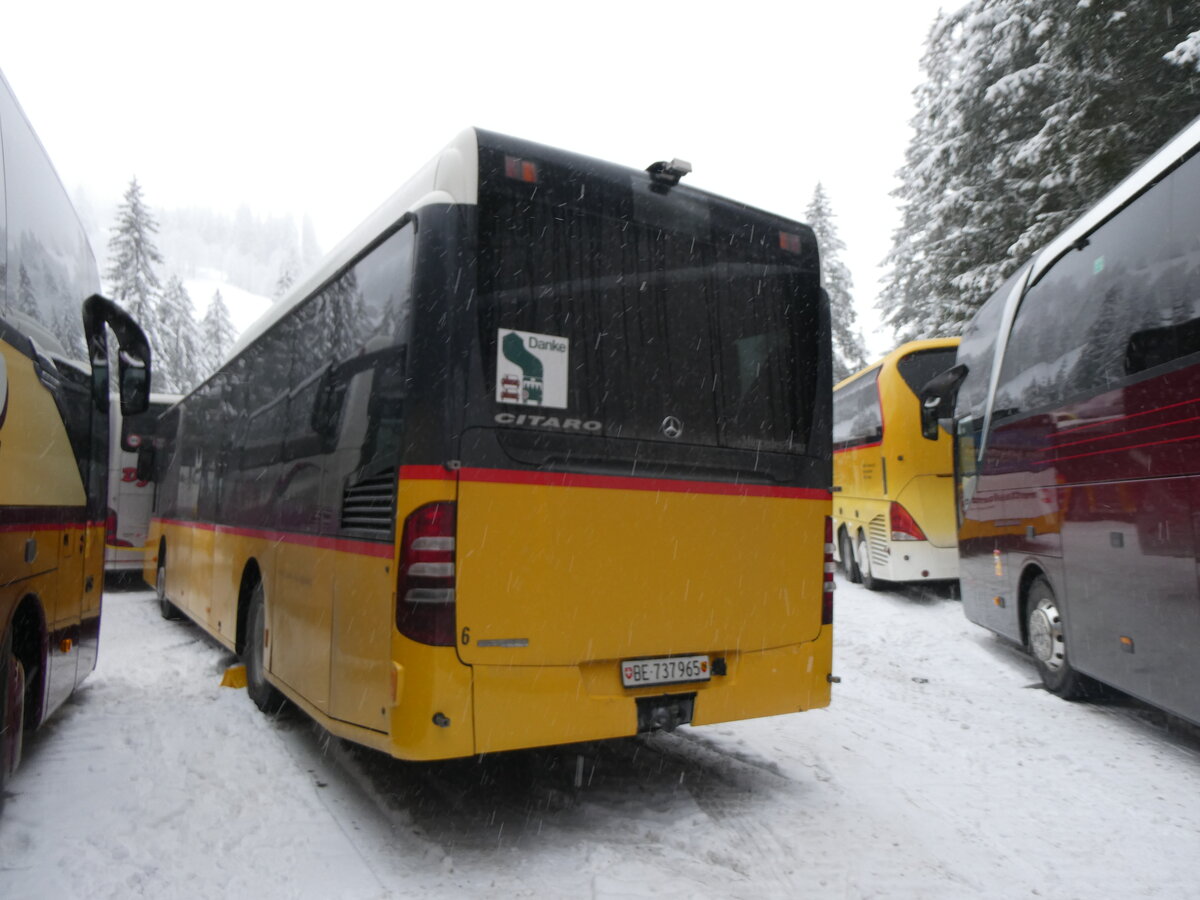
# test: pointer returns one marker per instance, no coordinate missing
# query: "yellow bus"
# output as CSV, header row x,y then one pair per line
x,y
893,509
54,409
538,455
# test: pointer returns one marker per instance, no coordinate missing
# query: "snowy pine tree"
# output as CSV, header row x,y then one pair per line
x,y
283,284
178,367
1031,111
131,278
67,329
27,302
217,336
850,352
1187,53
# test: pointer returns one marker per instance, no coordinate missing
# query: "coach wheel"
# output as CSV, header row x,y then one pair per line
x,y
168,609
264,695
1046,638
863,559
849,565
12,711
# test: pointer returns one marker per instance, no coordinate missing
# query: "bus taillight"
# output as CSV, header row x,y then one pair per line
x,y
425,583
904,526
830,565
521,169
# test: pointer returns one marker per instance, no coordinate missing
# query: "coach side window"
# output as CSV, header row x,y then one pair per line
x,y
47,265
1170,329
1071,333
857,418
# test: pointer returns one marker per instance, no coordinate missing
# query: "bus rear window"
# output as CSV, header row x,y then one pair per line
x,y
677,317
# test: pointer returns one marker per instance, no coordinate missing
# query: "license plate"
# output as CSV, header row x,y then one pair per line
x,y
674,670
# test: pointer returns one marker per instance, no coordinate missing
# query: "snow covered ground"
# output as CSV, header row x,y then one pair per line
x,y
940,771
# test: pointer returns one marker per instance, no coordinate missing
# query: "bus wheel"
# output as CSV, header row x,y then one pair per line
x,y
12,711
1044,628
849,565
265,696
168,609
863,560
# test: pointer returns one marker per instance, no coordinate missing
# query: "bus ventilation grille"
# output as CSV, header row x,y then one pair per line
x,y
877,539
369,505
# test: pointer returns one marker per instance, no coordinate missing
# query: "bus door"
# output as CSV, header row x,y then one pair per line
x,y
987,536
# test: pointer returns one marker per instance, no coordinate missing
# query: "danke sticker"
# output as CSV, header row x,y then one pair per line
x,y
531,369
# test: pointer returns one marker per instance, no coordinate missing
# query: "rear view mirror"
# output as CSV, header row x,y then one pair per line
x,y
937,399
133,357
134,387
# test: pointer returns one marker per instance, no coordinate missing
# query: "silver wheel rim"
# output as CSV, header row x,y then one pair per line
x,y
1046,635
160,584
864,559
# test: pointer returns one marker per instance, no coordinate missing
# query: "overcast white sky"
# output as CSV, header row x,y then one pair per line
x,y
325,109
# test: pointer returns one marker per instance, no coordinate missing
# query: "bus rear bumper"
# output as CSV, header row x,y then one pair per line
x,y
518,706
919,561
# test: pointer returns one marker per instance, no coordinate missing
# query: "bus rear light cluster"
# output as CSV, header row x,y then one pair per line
x,y
520,169
425,583
827,594
904,526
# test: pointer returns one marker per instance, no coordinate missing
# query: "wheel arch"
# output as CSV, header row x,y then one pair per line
x,y
251,577
30,644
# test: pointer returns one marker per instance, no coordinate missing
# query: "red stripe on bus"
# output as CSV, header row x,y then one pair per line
x,y
1122,418
620,482
40,526
42,518
1111,450
343,545
1120,434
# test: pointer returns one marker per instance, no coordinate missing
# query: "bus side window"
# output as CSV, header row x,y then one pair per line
x,y
383,280
1173,299
1074,331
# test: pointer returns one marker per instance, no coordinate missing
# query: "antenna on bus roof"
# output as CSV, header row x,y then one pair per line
x,y
669,173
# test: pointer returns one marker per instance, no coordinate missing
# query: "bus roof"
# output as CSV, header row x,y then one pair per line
x,y
452,176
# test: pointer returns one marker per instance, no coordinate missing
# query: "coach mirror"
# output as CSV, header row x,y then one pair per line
x,y
133,355
937,399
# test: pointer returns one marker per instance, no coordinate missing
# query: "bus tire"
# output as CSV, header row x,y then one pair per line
x,y
849,564
863,561
168,609
1045,639
12,711
264,695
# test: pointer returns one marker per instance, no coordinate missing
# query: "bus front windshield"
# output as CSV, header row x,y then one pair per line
x,y
661,305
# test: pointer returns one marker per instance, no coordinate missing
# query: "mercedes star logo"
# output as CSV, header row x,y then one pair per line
x,y
672,427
